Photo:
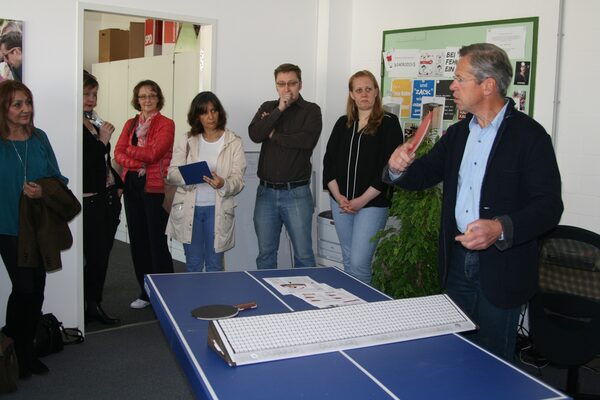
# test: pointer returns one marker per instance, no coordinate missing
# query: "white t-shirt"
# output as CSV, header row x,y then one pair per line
x,y
209,152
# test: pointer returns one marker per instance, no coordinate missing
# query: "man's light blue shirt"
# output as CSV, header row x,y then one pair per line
x,y
472,169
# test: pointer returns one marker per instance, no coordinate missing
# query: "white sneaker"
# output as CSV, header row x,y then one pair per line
x,y
139,304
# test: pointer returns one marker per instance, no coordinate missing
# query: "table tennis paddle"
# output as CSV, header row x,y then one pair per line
x,y
221,311
420,134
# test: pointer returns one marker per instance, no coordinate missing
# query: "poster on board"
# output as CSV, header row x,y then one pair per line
x,y
431,63
401,62
402,89
435,106
442,89
420,88
511,39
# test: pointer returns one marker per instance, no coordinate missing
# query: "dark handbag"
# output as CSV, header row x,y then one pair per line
x,y
9,366
51,336
48,336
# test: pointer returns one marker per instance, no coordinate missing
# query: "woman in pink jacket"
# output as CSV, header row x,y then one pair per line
x,y
144,151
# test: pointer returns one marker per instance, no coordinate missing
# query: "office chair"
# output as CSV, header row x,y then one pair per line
x,y
564,315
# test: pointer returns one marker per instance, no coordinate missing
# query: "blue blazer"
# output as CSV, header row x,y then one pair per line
x,y
521,186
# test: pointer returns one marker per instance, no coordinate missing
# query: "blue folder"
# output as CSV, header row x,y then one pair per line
x,y
193,173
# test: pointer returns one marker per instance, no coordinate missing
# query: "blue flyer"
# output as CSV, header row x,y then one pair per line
x,y
420,88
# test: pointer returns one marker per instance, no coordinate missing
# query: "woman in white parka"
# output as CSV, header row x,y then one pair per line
x,y
203,215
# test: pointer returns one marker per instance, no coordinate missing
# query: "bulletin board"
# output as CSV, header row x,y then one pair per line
x,y
418,67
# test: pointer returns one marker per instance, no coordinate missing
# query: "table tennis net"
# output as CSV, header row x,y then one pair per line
x,y
271,337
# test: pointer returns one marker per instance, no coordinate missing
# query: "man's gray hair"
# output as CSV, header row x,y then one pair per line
x,y
489,61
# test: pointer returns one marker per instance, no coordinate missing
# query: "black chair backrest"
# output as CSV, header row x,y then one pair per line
x,y
565,313
569,262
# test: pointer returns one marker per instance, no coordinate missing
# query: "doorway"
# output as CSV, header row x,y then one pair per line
x,y
181,72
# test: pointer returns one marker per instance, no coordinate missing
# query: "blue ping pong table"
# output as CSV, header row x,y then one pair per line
x,y
442,367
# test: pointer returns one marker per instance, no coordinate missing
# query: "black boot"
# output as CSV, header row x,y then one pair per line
x,y
94,311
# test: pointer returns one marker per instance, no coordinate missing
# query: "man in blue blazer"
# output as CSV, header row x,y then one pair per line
x,y
501,192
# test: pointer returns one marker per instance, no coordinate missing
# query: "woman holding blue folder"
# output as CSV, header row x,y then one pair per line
x,y
202,216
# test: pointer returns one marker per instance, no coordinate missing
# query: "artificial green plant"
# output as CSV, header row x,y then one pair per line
x,y
405,263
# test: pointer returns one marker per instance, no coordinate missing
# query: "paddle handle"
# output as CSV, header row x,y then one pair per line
x,y
246,306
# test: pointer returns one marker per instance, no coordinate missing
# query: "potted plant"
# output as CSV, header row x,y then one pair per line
x,y
405,262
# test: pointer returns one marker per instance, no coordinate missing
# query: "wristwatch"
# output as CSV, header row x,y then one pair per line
x,y
501,233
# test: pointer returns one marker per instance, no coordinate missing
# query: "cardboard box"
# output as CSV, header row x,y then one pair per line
x,y
113,45
153,38
136,39
170,32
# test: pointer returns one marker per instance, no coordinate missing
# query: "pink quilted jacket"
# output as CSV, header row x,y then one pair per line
x,y
155,156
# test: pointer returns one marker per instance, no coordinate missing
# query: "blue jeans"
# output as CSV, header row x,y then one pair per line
x,y
201,251
497,326
292,208
356,232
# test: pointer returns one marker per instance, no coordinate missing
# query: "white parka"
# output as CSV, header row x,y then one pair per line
x,y
231,165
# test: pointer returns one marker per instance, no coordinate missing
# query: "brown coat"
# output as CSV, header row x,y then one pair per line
x,y
43,224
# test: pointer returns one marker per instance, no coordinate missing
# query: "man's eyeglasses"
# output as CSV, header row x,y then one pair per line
x,y
462,81
147,97
5,54
291,84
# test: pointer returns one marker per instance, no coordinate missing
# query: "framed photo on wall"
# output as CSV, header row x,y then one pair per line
x,y
11,49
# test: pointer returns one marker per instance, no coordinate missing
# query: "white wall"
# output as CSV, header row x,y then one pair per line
x,y
333,61
578,137
329,39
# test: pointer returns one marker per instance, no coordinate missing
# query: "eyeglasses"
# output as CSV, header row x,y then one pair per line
x,y
462,81
4,55
291,84
147,97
